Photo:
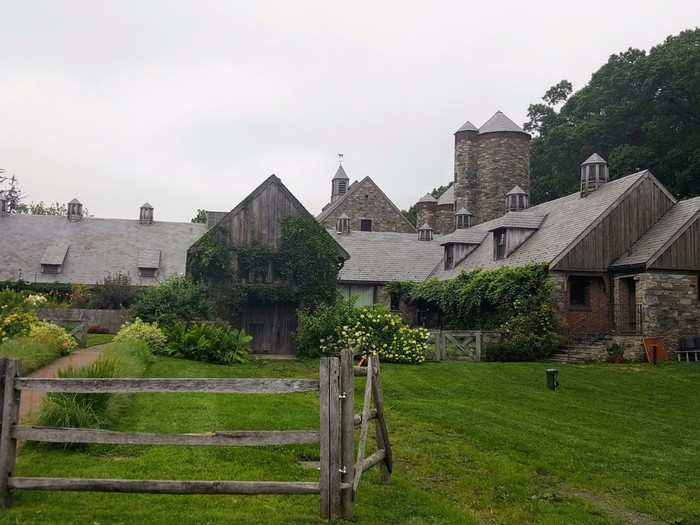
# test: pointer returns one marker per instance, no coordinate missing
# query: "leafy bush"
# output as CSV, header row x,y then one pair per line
x,y
115,292
125,359
80,296
138,330
16,325
208,342
54,336
177,299
332,328
514,301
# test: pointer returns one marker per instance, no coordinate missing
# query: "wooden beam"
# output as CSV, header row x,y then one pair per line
x,y
357,418
165,487
324,466
127,386
364,429
225,439
359,371
347,422
382,432
372,460
10,415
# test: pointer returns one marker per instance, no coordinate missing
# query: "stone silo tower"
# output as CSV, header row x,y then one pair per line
x,y
503,162
466,166
425,210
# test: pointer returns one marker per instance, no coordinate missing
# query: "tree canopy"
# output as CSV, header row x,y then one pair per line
x,y
640,111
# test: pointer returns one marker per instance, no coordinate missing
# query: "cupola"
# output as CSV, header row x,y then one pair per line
x,y
146,214
4,207
516,199
594,173
463,219
342,224
425,233
340,182
75,210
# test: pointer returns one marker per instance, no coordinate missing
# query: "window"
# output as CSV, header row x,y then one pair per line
x,y
148,272
499,244
342,186
579,292
365,225
395,302
449,256
463,221
51,268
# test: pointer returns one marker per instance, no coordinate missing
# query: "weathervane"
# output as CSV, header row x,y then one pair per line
x,y
340,159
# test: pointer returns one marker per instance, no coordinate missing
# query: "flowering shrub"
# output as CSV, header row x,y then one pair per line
x,y
36,300
53,336
16,324
149,333
367,329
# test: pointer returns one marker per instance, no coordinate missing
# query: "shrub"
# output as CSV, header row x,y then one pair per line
x,y
16,325
126,359
113,293
208,342
138,330
369,329
12,302
54,336
80,296
177,299
97,329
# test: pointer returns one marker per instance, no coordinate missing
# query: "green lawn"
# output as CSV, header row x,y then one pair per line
x,y
98,339
31,354
474,443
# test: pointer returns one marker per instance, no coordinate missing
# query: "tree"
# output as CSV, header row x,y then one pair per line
x,y
40,208
640,111
200,217
9,186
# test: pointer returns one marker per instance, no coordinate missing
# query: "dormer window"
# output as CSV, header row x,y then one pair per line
x,y
516,199
425,233
499,244
53,259
342,225
463,219
75,210
149,263
365,225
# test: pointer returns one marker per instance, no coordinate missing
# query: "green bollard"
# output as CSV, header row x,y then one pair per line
x,y
552,378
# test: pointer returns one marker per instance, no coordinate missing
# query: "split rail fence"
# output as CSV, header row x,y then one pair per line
x,y
340,468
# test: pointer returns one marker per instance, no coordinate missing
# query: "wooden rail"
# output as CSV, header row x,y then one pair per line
x,y
340,469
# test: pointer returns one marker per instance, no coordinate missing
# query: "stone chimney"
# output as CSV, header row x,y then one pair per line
x,y
594,173
146,214
75,210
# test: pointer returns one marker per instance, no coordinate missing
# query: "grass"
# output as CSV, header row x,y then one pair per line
x,y
474,443
98,339
31,354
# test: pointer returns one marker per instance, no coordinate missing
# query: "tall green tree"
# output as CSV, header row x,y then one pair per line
x,y
639,110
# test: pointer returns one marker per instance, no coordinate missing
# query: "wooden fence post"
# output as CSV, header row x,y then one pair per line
x,y
381,430
330,437
347,386
8,444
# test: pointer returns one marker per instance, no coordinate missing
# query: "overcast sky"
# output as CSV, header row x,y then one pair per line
x,y
192,104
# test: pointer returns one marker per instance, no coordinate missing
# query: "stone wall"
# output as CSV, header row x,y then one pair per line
x,y
110,319
368,202
504,162
465,171
670,305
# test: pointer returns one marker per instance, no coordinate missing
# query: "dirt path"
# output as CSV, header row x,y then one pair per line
x,y
30,402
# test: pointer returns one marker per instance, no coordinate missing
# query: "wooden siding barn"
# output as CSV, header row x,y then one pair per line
x,y
257,223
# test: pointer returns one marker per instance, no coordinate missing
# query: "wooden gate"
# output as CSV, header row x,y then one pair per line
x,y
457,345
340,471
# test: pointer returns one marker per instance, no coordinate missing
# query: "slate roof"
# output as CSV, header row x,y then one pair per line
x,y
654,242
526,220
55,254
427,198
566,219
464,236
467,126
213,217
448,196
499,122
381,257
594,159
517,190
96,247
